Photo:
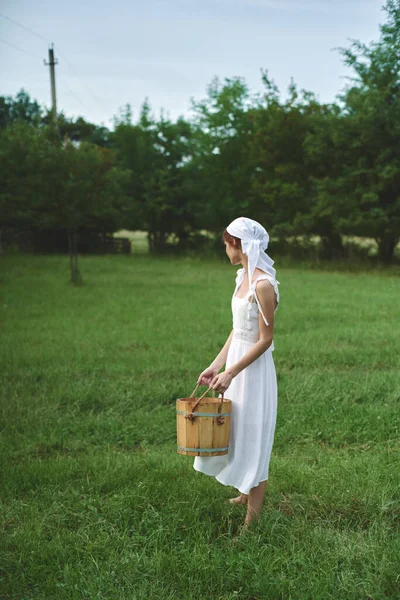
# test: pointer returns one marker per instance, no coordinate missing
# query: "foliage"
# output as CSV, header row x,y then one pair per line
x,y
366,141
301,167
22,108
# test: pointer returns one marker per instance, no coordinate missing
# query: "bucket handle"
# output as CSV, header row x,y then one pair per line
x,y
191,417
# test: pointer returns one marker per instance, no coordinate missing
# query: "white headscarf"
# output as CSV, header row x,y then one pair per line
x,y
254,239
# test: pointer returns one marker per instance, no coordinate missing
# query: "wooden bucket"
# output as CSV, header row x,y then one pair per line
x,y
203,430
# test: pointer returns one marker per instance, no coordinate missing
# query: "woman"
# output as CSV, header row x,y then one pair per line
x,y
249,378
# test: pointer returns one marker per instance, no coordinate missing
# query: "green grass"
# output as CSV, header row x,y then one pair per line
x,y
95,501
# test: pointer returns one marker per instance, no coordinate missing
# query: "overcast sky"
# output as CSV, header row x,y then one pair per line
x,y
113,53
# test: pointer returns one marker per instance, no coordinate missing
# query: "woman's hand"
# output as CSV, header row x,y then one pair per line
x,y
207,376
221,382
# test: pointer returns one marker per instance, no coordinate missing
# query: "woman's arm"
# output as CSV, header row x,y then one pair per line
x,y
259,348
211,372
266,296
220,360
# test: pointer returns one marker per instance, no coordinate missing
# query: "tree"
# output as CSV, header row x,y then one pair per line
x,y
326,148
371,173
281,190
88,193
79,130
158,155
25,157
46,186
20,109
223,130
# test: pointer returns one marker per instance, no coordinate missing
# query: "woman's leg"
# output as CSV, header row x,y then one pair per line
x,y
255,502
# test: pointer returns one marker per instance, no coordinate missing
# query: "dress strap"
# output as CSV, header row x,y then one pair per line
x,y
238,280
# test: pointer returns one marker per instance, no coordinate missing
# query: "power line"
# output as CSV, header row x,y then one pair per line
x,y
59,51
23,27
81,80
40,58
21,49
75,96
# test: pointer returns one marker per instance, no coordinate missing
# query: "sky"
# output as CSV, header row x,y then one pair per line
x,y
113,53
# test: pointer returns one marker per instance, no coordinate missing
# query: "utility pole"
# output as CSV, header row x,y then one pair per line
x,y
52,64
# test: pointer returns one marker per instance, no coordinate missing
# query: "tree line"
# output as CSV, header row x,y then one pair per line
x,y
299,166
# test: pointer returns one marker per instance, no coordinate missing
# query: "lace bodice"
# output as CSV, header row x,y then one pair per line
x,y
245,311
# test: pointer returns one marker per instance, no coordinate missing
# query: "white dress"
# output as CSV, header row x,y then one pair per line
x,y
254,396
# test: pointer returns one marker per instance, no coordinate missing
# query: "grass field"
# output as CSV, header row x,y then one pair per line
x,y
95,501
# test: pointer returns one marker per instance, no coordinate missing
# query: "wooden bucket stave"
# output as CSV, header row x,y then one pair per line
x,y
203,429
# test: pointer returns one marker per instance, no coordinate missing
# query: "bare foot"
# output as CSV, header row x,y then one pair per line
x,y
242,499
